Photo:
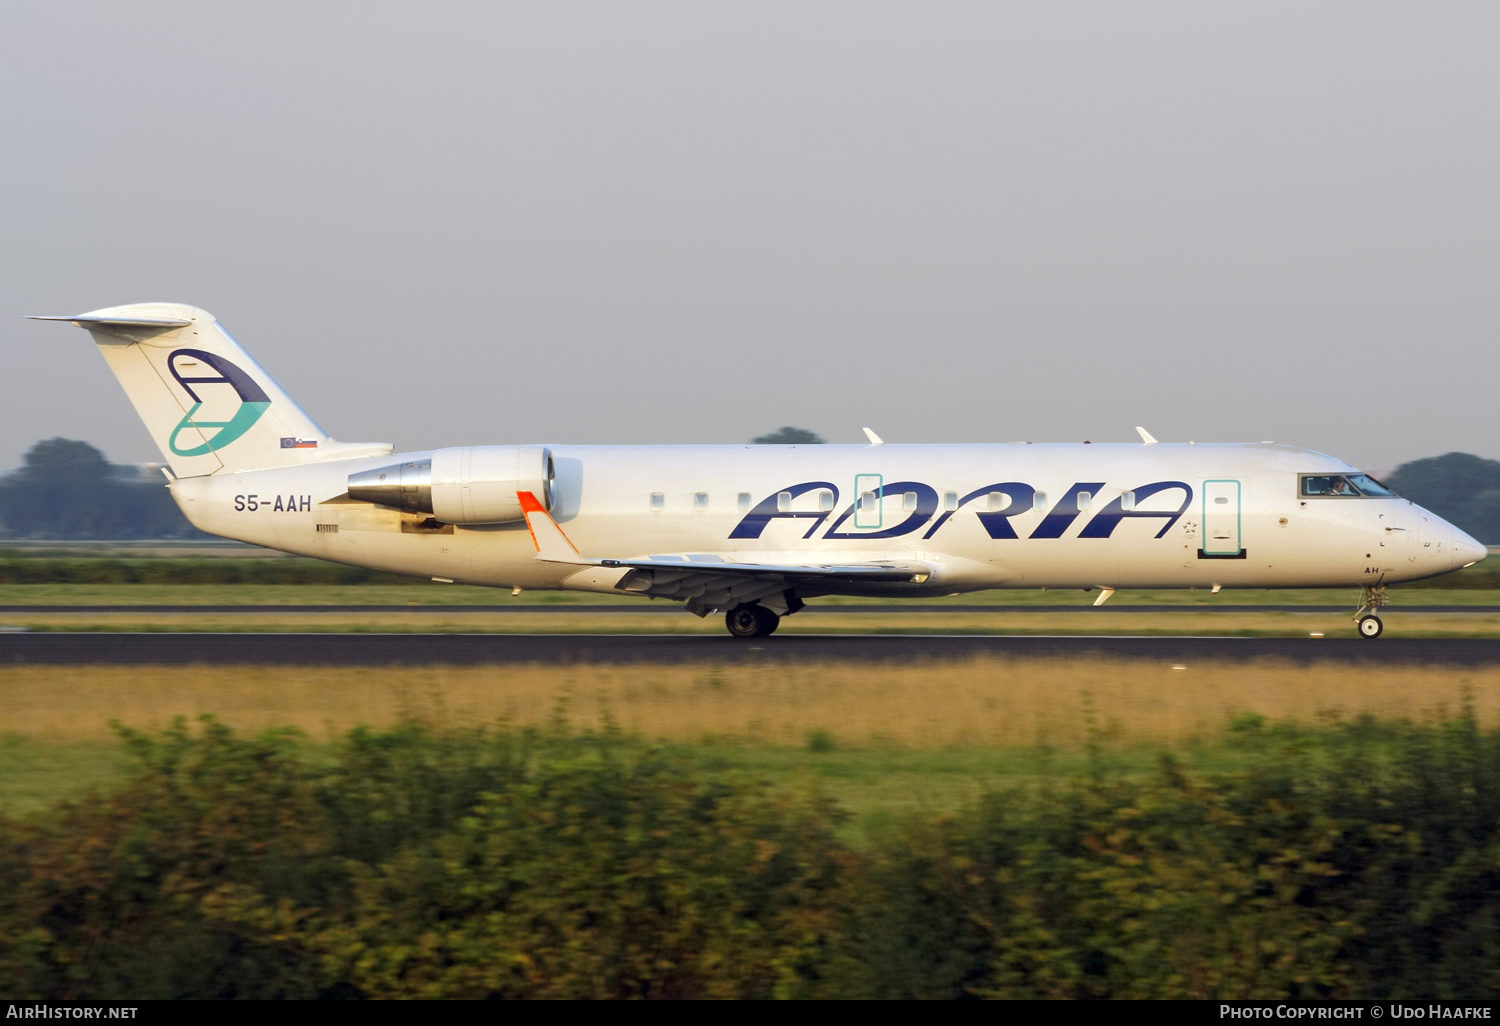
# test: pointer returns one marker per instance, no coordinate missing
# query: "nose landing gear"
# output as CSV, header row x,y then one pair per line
x,y
1371,598
752,621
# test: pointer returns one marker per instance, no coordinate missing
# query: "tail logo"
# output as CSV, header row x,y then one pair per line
x,y
217,433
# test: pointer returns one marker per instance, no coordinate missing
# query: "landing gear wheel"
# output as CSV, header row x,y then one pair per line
x,y
753,621
742,622
1370,627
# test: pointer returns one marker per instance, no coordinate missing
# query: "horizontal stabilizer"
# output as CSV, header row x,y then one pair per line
x,y
83,320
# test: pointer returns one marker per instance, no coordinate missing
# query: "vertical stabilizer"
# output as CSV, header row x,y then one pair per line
x,y
208,404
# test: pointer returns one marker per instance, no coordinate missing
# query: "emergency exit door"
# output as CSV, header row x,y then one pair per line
x,y
1221,518
869,495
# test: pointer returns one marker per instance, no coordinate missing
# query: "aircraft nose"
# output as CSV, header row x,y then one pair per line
x,y
1466,550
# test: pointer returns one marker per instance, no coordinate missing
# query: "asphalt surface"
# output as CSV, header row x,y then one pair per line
x,y
672,607
572,649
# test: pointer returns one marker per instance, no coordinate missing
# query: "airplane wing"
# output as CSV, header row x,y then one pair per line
x,y
710,580
698,564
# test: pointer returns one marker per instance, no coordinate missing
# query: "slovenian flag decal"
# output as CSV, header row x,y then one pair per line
x,y
299,443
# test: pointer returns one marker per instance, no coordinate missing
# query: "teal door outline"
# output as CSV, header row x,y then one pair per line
x,y
869,514
1221,518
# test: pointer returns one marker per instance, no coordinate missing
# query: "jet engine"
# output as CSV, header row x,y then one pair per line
x,y
475,484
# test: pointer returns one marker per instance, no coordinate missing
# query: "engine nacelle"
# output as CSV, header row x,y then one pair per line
x,y
474,484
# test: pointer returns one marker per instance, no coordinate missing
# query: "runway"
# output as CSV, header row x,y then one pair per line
x,y
672,607
612,649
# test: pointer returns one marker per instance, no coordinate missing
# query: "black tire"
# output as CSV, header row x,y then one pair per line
x,y
745,621
1370,627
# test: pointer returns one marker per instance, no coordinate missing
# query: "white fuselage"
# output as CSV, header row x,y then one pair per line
x,y
1209,514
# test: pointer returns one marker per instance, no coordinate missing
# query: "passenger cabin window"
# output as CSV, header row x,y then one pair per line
x,y
783,502
1085,501
1127,500
1039,501
1338,486
867,502
825,500
908,501
998,501
700,501
658,502
744,502
950,501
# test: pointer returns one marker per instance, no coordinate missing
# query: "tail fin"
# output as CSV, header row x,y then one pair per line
x,y
206,402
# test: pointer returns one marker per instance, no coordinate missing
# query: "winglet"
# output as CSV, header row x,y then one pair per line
x,y
551,544
873,437
1146,438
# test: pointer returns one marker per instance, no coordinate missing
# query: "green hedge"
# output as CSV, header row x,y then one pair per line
x,y
1358,860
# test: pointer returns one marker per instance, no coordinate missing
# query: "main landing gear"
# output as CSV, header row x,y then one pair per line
x,y
1371,598
752,621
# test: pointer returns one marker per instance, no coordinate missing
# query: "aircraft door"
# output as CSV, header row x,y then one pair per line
x,y
869,491
1221,518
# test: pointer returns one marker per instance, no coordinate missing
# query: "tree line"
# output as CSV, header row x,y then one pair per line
x,y
1462,489
69,490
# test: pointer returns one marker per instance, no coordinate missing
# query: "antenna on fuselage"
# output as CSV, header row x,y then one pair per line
x,y
873,437
1146,438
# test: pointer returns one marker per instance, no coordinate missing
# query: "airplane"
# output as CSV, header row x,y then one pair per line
x,y
753,531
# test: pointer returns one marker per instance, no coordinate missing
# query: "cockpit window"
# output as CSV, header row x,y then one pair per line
x,y
1332,485
1367,484
1342,486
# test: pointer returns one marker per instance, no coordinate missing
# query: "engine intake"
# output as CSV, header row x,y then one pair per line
x,y
474,484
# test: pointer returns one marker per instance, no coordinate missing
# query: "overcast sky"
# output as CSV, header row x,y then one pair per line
x,y
448,223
